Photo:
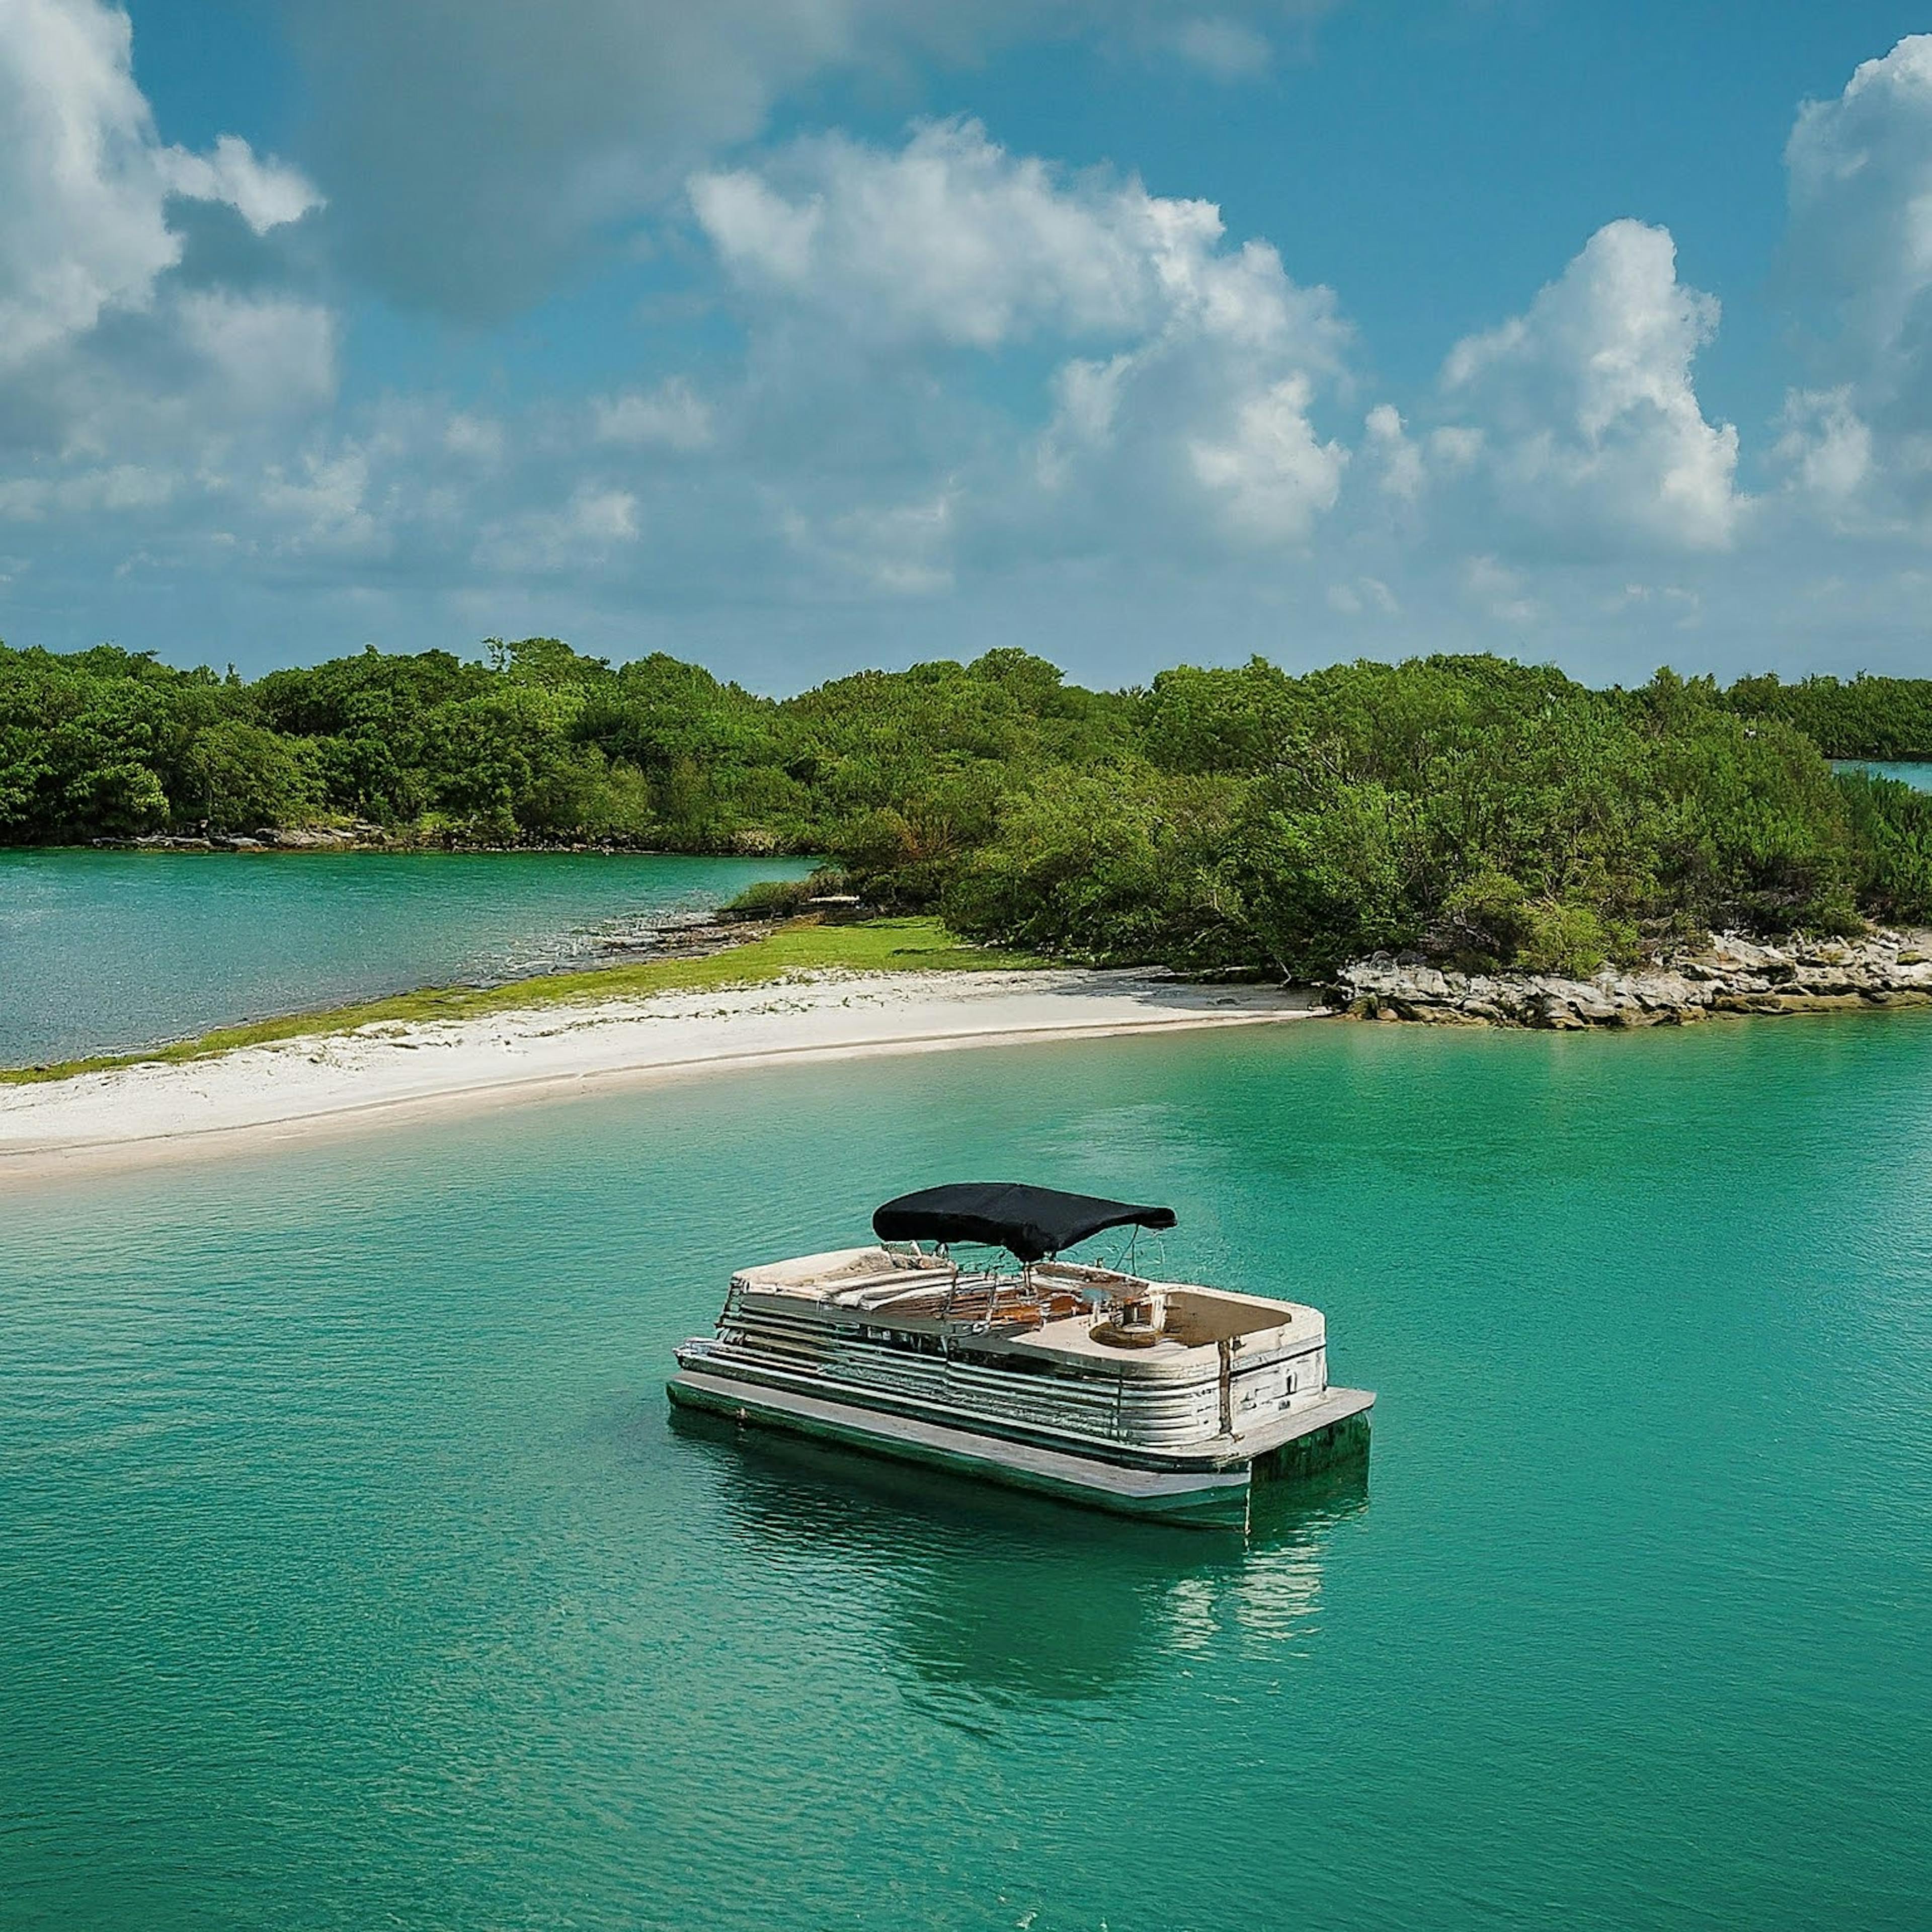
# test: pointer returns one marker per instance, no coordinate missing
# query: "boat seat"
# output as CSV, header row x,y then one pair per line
x,y
876,1291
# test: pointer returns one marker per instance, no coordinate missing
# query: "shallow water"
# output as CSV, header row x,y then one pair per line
x,y
103,951
353,1573
1917,775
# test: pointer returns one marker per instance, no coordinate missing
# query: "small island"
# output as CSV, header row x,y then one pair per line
x,y
1485,814
1001,854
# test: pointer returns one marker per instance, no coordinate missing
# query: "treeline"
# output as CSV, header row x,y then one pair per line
x,y
1883,718
1485,811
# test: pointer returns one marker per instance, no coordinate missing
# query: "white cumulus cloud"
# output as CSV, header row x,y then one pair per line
x,y
1581,416
1274,473
1858,440
953,239
265,194
85,180
1048,404
1197,416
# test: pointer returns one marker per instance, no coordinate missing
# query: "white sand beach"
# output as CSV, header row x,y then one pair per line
x,y
344,1081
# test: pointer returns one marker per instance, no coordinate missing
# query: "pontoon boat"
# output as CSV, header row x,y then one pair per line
x,y
1094,1383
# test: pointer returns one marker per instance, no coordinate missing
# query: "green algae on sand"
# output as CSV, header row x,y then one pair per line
x,y
799,946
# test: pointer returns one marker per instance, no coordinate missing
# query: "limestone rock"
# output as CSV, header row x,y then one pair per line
x,y
1734,974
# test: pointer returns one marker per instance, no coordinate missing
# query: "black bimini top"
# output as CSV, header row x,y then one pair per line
x,y
1029,1222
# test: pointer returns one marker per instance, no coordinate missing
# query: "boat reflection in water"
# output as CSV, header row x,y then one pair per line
x,y
1014,1598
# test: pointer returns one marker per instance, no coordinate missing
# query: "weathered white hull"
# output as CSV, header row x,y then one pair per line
x,y
1207,1483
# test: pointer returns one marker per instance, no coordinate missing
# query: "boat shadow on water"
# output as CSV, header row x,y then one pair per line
x,y
1016,1598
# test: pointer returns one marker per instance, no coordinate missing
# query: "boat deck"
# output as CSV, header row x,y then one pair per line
x,y
1050,1312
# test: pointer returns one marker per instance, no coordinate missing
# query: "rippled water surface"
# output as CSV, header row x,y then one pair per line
x,y
352,1574
101,951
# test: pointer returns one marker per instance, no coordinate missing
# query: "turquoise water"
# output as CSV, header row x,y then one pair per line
x,y
1918,776
352,1575
101,951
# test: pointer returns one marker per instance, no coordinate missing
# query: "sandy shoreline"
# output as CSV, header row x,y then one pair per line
x,y
135,1115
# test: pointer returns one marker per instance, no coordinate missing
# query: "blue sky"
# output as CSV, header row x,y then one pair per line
x,y
795,334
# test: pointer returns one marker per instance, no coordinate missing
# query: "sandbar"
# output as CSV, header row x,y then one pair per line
x,y
159,1111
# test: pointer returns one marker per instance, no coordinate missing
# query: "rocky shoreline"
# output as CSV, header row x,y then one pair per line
x,y
358,838
1732,974
362,836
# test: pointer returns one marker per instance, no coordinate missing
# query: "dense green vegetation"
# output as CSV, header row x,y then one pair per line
x,y
1483,811
1885,718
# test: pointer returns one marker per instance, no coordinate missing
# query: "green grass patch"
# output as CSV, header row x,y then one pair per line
x,y
800,946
